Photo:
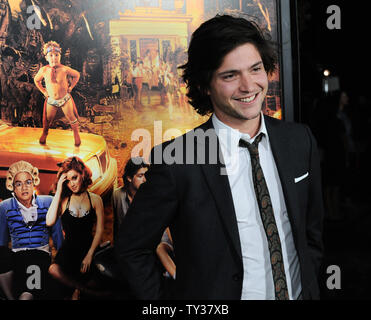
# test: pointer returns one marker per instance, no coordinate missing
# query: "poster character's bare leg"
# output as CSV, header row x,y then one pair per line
x,y
70,112
56,272
6,284
48,118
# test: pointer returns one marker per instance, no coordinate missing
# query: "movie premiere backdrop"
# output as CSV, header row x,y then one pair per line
x,y
130,95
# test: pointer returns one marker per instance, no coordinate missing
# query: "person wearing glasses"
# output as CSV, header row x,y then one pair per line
x,y
24,264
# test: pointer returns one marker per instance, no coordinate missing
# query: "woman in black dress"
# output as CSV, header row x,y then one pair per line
x,y
79,210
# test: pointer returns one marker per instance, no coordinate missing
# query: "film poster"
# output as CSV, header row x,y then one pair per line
x,y
129,90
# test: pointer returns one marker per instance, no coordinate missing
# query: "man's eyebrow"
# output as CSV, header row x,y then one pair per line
x,y
256,64
236,71
227,71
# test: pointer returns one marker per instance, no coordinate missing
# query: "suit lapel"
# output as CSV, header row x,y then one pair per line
x,y
283,153
218,183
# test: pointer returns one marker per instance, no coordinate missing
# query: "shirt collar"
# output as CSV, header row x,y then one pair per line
x,y
230,137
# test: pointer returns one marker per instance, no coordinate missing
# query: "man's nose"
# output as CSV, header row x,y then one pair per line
x,y
246,82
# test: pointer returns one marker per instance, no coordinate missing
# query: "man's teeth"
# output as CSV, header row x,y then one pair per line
x,y
248,99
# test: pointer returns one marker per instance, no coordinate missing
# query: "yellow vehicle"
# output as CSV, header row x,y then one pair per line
x,y
22,143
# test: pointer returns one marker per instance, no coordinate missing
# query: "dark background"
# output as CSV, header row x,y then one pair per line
x,y
345,53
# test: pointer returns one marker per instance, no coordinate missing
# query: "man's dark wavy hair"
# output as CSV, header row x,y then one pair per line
x,y
131,168
210,43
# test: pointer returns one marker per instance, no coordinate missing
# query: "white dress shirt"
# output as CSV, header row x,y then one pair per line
x,y
257,279
29,214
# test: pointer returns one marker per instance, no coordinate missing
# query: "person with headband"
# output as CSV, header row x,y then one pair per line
x,y
57,90
23,220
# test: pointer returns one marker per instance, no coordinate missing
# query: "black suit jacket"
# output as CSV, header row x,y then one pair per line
x,y
195,200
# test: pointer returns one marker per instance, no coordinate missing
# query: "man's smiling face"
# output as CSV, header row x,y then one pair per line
x,y
238,87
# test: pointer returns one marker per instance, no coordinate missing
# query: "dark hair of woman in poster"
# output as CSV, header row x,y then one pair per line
x,y
79,210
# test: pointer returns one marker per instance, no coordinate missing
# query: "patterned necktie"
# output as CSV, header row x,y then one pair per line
x,y
269,222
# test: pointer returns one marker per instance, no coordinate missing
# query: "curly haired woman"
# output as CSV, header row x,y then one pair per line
x,y
79,210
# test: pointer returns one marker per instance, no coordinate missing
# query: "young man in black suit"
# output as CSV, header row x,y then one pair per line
x,y
241,193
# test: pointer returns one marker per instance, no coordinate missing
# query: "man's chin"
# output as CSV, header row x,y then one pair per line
x,y
233,114
249,115
25,200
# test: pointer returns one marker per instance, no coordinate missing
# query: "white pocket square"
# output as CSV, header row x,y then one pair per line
x,y
298,179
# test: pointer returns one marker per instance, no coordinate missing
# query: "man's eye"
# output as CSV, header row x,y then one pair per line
x,y
257,69
228,76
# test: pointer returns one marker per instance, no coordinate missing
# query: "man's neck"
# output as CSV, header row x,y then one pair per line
x,y
251,126
131,194
27,203
54,67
